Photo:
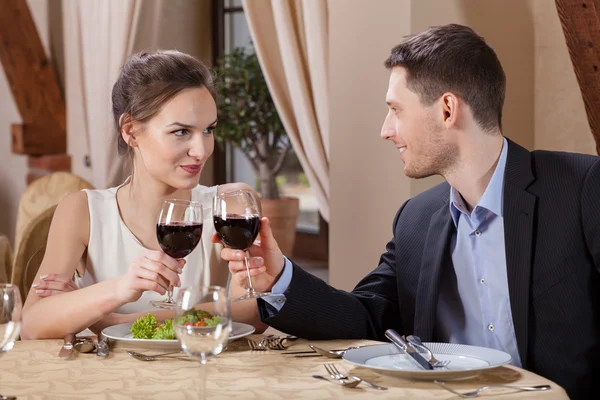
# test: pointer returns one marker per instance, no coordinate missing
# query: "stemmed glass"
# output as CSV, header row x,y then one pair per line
x,y
179,230
204,338
237,221
10,316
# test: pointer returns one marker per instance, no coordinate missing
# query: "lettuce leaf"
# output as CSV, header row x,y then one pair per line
x,y
143,328
165,331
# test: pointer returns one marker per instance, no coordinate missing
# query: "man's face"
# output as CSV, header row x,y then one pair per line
x,y
416,130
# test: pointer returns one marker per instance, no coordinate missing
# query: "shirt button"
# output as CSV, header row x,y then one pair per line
x,y
491,327
477,233
482,281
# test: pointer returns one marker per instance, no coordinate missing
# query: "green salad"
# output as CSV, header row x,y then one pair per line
x,y
148,327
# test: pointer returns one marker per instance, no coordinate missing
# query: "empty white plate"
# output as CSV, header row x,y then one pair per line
x,y
465,361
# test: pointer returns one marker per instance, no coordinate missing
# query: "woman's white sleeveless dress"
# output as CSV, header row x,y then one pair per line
x,y
112,247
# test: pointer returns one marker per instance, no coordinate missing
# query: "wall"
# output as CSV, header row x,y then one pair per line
x,y
367,184
560,119
543,107
13,167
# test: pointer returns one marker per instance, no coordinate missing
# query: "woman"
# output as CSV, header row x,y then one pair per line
x,y
165,113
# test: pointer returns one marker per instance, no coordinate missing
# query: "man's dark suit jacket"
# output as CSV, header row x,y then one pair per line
x,y
551,212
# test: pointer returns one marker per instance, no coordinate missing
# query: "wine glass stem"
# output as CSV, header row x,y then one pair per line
x,y
169,294
250,286
202,388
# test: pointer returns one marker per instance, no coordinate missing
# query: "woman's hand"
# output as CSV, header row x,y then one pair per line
x,y
154,271
52,284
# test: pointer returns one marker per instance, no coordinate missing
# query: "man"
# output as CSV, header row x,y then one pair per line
x,y
506,254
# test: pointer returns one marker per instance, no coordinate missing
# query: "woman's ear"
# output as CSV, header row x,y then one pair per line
x,y
127,126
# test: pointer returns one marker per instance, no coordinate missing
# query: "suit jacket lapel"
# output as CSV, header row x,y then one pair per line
x,y
436,254
519,216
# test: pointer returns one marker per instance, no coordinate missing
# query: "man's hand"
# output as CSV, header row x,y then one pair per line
x,y
265,262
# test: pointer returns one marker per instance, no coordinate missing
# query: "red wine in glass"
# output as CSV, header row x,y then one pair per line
x,y
178,231
237,231
178,240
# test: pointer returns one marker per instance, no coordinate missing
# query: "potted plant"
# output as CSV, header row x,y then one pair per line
x,y
248,119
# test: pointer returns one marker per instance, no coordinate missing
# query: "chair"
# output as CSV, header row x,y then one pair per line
x,y
6,259
42,194
31,251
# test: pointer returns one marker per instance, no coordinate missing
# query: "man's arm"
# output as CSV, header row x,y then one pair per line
x,y
315,310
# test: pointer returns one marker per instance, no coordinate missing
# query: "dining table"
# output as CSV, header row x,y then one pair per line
x,y
33,370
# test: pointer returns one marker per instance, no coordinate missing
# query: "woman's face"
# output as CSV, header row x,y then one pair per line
x,y
175,144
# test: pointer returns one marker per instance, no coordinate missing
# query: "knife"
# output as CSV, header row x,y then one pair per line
x,y
407,348
102,349
67,348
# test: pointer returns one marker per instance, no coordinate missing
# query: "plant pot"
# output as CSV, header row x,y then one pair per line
x,y
282,214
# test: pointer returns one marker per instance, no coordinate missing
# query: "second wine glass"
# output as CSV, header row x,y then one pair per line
x,y
236,216
179,230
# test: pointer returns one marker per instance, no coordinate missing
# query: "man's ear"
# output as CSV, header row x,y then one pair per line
x,y
127,129
450,109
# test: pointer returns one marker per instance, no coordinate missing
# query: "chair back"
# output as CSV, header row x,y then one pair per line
x,y
30,253
42,194
6,259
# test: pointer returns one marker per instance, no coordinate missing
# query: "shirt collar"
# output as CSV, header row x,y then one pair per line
x,y
493,195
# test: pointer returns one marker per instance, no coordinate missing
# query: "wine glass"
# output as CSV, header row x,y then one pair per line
x,y
203,337
237,221
10,316
179,230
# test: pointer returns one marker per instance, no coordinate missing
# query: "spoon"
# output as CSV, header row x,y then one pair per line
x,y
86,346
144,357
331,353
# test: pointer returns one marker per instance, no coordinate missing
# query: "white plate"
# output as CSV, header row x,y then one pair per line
x,y
121,333
465,361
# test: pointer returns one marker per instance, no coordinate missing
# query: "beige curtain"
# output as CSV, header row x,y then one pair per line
x,y
291,39
98,38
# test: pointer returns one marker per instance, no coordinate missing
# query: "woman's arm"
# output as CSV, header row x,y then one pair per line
x,y
55,316
73,311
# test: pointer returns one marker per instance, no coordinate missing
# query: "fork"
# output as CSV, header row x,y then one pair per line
x,y
336,374
416,342
348,384
266,344
475,393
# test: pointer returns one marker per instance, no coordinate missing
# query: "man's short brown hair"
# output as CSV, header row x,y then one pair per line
x,y
453,58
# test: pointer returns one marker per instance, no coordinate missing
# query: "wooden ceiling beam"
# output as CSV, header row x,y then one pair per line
x,y
581,26
33,83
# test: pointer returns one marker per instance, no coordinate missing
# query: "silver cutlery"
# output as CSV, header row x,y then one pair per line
x,y
67,348
348,384
336,374
331,353
408,348
416,342
266,343
102,348
475,393
321,352
84,346
145,357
